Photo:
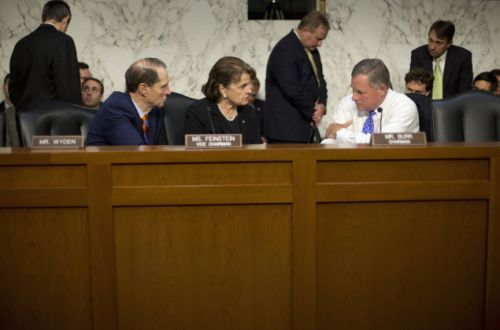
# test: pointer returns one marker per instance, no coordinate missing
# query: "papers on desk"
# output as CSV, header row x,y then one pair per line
x,y
329,141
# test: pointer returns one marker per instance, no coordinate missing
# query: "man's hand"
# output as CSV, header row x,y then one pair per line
x,y
331,131
319,111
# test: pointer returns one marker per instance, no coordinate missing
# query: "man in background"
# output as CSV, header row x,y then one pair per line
x,y
295,87
419,81
134,117
485,82
496,72
92,92
451,65
257,104
5,88
419,84
84,71
11,131
43,65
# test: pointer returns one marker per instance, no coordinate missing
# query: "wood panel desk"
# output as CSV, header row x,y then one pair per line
x,y
285,237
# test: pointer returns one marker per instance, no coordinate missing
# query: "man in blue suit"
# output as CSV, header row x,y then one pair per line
x,y
295,87
134,117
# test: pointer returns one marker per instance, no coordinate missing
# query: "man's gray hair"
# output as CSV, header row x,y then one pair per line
x,y
313,20
376,71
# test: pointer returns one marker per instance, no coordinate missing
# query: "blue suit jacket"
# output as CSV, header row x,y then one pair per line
x,y
457,75
118,123
291,91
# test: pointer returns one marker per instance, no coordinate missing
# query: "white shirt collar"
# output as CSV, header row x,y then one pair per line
x,y
442,59
50,23
139,110
386,98
298,36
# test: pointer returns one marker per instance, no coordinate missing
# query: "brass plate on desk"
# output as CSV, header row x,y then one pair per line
x,y
57,141
213,141
398,139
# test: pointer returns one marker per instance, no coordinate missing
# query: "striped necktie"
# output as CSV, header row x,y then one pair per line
x,y
313,64
368,126
145,127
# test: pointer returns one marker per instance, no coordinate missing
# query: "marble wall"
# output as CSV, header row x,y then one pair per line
x,y
190,35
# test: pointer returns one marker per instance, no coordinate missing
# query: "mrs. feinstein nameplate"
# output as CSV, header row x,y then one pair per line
x,y
398,139
57,141
213,141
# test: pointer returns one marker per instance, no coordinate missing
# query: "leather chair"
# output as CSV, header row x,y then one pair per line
x,y
12,135
467,117
2,129
54,118
424,107
175,116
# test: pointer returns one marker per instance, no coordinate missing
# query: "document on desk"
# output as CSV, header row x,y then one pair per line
x,y
329,141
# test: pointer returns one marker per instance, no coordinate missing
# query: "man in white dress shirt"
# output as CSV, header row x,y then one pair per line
x,y
372,107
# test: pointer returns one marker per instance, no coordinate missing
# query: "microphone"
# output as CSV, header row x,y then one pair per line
x,y
242,116
209,113
381,114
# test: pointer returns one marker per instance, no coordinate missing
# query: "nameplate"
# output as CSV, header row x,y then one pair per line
x,y
398,139
213,141
57,141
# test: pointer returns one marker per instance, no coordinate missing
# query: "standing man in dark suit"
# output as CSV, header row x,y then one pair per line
x,y
134,117
44,65
451,65
295,87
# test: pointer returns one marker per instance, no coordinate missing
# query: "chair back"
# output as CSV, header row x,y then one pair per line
x,y
2,129
54,118
424,107
174,117
467,117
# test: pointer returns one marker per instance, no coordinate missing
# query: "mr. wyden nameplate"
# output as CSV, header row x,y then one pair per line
x,y
398,139
215,141
57,141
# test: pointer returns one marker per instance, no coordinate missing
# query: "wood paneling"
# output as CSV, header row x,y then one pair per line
x,y
210,267
403,170
263,237
202,174
102,247
492,314
44,269
304,287
200,195
408,265
42,176
401,191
